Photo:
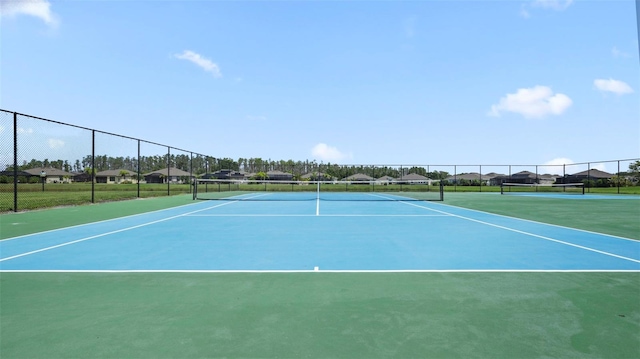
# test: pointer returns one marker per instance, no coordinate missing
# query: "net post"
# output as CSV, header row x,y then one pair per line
x,y
441,190
502,188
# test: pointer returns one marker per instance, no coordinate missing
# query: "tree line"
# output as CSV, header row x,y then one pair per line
x,y
199,165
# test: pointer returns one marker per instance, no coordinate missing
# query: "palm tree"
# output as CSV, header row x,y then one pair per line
x,y
123,174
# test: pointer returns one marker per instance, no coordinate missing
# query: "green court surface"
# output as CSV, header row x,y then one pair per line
x,y
561,314
617,215
21,223
320,315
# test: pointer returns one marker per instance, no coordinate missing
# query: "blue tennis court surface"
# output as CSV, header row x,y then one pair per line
x,y
318,235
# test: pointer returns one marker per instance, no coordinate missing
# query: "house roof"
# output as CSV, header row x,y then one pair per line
x,y
414,177
593,173
20,173
50,171
172,171
469,176
524,174
385,178
491,175
359,177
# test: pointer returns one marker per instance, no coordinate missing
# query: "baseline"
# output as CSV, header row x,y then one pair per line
x,y
231,271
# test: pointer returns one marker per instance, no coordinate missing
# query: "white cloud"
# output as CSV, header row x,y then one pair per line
x,y
324,152
410,27
38,8
535,102
200,61
611,85
615,52
554,166
24,131
55,144
557,5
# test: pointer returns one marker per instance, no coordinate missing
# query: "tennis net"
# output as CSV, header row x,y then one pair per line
x,y
519,188
271,190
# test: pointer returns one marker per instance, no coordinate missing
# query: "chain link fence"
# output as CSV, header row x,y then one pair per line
x,y
46,163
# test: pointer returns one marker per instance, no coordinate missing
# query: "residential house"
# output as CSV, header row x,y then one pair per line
x,y
471,177
81,177
385,180
116,176
494,178
279,176
523,177
51,175
414,178
224,174
359,177
588,175
168,175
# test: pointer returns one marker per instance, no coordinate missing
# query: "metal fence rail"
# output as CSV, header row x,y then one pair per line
x,y
46,163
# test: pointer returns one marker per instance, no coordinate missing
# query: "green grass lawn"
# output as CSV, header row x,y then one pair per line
x,y
31,196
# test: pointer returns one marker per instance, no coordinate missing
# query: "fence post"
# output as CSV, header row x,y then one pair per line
x,y
138,169
455,178
15,162
588,176
619,180
93,166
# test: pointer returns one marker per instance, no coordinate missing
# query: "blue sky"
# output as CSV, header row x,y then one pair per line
x,y
352,82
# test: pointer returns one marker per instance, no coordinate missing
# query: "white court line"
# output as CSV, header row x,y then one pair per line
x,y
537,222
91,223
231,271
314,215
528,233
112,232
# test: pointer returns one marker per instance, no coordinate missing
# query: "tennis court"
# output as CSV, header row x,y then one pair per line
x,y
375,275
